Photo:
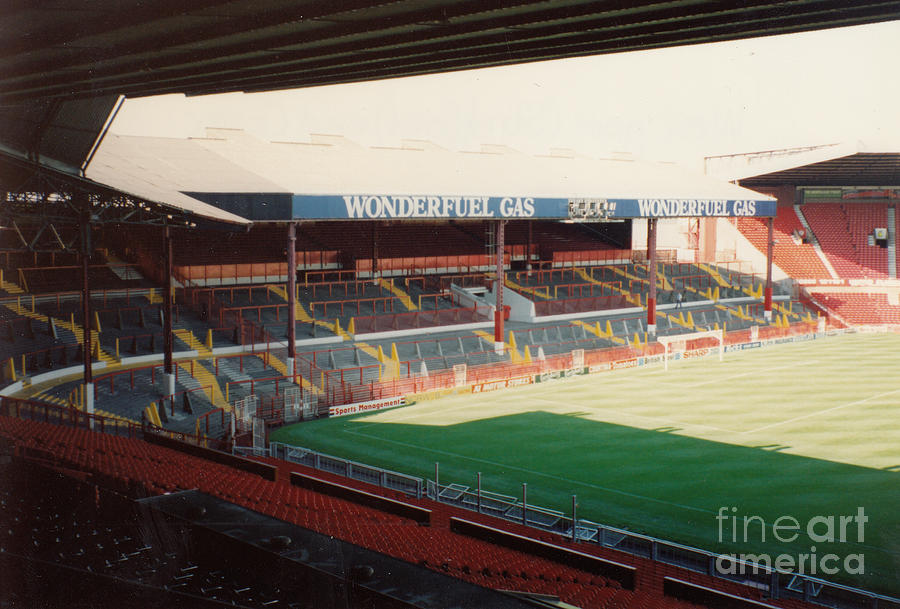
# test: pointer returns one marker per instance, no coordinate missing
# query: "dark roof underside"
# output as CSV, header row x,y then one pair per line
x,y
68,48
861,169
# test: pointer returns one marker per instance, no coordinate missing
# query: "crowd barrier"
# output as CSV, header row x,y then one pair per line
x,y
584,257
448,264
72,417
580,305
420,319
30,301
212,274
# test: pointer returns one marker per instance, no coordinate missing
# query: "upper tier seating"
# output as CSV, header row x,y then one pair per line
x,y
863,219
842,231
798,260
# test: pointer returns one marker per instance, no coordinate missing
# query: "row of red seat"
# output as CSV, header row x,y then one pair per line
x,y
129,463
861,308
843,232
795,259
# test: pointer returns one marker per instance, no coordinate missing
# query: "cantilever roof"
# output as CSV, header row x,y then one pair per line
x,y
844,164
233,162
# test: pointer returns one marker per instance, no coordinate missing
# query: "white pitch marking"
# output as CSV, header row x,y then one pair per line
x,y
649,418
821,412
530,471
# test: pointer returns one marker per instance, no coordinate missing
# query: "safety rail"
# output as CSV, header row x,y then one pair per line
x,y
257,308
452,297
549,275
106,294
195,296
72,417
67,416
420,319
420,280
297,380
380,477
237,273
594,256
577,290
359,287
662,255
323,276
111,377
386,302
204,419
240,357
694,282
6,263
39,360
679,269
464,280
581,305
417,265
172,397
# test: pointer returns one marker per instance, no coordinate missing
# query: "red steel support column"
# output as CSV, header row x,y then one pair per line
x,y
498,290
292,297
86,300
374,249
651,267
168,366
770,255
86,308
167,302
528,249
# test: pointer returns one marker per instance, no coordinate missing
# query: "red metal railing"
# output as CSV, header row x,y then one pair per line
x,y
419,319
71,417
204,419
580,305
320,308
172,398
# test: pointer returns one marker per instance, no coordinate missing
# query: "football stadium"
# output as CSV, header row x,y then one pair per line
x,y
316,373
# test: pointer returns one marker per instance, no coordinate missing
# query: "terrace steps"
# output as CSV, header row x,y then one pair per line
x,y
598,332
714,274
525,290
9,286
200,372
399,293
514,354
391,366
302,315
73,327
661,279
206,378
633,299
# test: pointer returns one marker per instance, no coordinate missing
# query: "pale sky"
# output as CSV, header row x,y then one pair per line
x,y
678,104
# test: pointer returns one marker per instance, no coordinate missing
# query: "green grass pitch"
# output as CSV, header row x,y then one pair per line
x,y
806,430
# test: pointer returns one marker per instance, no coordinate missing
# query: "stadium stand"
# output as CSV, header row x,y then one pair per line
x,y
831,225
793,254
861,307
862,220
513,559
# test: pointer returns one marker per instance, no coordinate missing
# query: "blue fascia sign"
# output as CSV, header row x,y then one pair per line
x,y
393,206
